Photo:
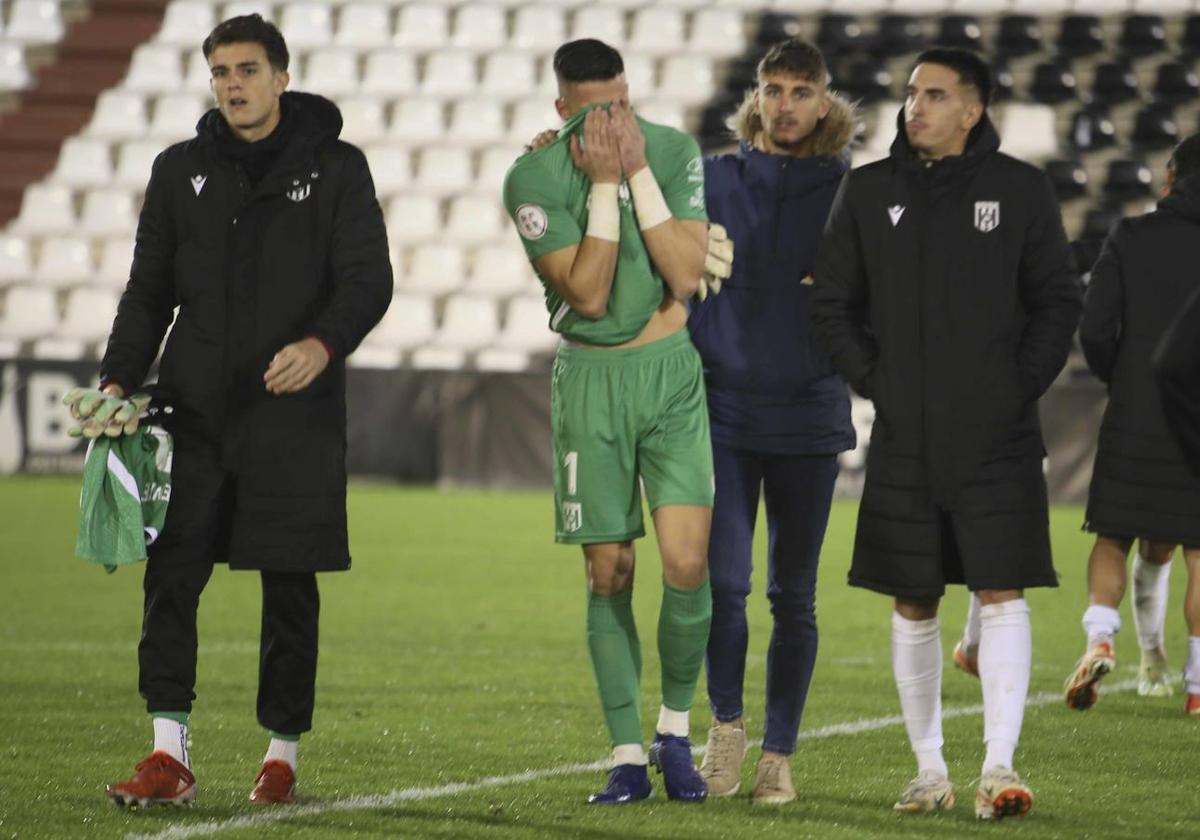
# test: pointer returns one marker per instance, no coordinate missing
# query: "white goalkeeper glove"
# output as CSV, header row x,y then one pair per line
x,y
718,263
103,413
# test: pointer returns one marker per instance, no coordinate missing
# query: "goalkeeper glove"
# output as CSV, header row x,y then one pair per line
x,y
718,263
100,413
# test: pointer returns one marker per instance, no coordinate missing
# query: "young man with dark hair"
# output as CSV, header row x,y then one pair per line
x,y
265,232
779,415
611,215
946,294
1141,486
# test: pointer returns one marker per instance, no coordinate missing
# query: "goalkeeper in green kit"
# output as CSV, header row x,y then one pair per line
x,y
612,217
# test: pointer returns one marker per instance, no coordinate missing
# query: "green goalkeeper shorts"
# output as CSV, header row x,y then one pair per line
x,y
620,414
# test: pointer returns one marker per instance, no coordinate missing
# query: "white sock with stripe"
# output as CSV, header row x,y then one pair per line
x,y
171,737
1151,583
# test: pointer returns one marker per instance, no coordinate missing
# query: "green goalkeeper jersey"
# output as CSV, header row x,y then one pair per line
x,y
547,197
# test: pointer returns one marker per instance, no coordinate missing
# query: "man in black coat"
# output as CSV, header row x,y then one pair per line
x,y
264,235
945,293
1141,484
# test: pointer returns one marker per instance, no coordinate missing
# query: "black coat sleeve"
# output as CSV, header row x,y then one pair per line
x,y
362,270
1051,294
1103,304
148,302
1177,369
839,299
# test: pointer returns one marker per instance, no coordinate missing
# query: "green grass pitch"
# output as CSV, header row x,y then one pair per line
x,y
453,652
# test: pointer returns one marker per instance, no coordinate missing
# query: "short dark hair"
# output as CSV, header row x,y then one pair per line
x,y
587,60
796,57
1185,158
250,29
972,70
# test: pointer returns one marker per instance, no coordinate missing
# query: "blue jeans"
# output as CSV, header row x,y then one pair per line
x,y
798,490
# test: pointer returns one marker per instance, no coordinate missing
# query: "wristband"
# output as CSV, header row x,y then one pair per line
x,y
604,215
648,199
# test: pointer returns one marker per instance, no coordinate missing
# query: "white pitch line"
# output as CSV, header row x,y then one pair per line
x,y
375,802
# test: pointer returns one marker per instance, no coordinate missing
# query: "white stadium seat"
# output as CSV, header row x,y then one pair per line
x,y
154,68
108,212
363,120
29,313
474,220
664,112
86,323
423,26
527,326
391,168
499,360
1029,132
389,73
500,271
413,219
687,79
481,27
46,209
435,270
119,114
530,118
34,22
604,22
509,75
134,161
116,258
331,72
247,7
639,72
14,72
417,121
409,322
16,264
64,261
477,122
717,32
83,162
175,117
443,170
657,30
184,20
468,323
364,26
198,77
539,28
449,73
306,25
493,166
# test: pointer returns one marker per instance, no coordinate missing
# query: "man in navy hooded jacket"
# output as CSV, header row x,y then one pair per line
x,y
779,415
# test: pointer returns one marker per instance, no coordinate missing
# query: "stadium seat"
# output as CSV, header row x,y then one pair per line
x,y
1155,128
499,271
1127,180
982,7
363,120
493,166
838,34
865,80
773,27
413,219
409,322
46,209
527,326
63,261
1028,132
154,68
183,20
1143,35
14,71
435,270
1003,83
1092,129
30,312
306,25
364,26
197,76
389,73
83,162
116,258
657,30
1189,42
134,161
509,75
422,26
468,323
717,32
87,316
119,114
664,112
639,72
443,170
477,122
900,35
34,22
175,117
1098,221
539,28
16,264
1114,83
960,31
390,168
1018,35
1080,36
687,79
531,118
438,358
603,22
247,7
1069,178
474,220
417,121
1053,83
500,360
107,212
1176,83
481,27
449,73
332,73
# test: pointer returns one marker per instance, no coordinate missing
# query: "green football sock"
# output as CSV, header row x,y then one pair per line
x,y
617,659
683,623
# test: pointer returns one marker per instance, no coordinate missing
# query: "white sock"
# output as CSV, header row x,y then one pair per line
x,y
1191,672
1150,586
970,638
629,754
917,665
1005,660
171,737
671,722
281,750
1101,624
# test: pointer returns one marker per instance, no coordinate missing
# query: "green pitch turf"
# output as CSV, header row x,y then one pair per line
x,y
453,652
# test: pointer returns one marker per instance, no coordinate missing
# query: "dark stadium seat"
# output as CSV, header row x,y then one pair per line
x,y
1018,35
1127,180
899,35
1053,83
773,28
1115,83
1097,222
840,34
713,132
1143,35
1155,128
741,74
1069,178
866,79
960,31
1002,80
1189,44
1176,83
1080,35
1092,129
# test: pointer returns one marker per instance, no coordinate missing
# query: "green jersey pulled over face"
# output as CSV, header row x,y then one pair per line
x,y
547,198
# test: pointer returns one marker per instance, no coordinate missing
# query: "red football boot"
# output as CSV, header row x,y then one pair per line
x,y
1192,707
275,785
159,780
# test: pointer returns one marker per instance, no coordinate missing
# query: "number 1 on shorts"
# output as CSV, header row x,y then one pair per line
x,y
571,463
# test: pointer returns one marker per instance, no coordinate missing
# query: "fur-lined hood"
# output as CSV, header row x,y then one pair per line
x,y
833,134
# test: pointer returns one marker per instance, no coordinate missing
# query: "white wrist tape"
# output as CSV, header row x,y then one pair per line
x,y
648,199
604,215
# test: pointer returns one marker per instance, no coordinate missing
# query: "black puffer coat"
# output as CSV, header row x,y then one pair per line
x,y
251,269
945,292
1146,272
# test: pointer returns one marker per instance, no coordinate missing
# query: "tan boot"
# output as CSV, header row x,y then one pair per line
x,y
723,757
773,781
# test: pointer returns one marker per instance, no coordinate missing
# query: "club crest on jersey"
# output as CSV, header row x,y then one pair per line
x,y
298,193
532,221
198,182
572,514
987,216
